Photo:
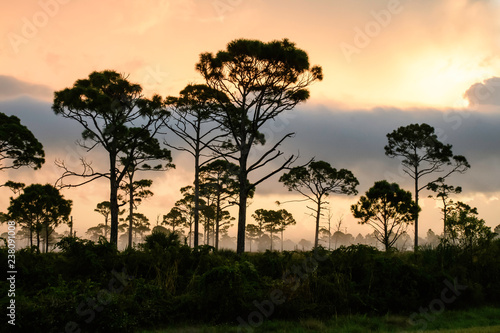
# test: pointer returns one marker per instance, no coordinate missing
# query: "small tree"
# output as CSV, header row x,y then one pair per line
x,y
40,208
274,221
443,192
465,227
18,144
388,209
253,233
104,208
257,82
423,154
174,218
316,182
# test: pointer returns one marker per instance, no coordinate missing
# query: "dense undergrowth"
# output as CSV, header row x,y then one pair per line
x,y
92,287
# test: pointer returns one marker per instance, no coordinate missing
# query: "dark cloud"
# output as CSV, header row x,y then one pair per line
x,y
351,139
10,87
355,140
484,93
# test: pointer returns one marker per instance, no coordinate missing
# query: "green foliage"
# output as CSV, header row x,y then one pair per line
x,y
171,284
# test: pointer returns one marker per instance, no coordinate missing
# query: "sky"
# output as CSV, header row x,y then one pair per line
x,y
386,64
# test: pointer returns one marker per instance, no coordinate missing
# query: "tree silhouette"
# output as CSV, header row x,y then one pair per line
x,y
17,143
174,218
465,227
219,179
40,208
423,154
388,209
259,81
443,192
316,181
192,112
116,117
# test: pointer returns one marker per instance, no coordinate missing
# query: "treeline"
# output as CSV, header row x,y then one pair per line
x,y
93,287
245,88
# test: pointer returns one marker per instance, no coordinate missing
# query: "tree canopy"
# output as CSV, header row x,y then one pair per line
x,y
388,209
19,145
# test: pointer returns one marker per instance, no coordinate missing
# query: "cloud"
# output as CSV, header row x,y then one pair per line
x,y
10,87
355,140
484,93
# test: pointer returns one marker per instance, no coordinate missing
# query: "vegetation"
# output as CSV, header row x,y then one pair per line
x,y
388,209
162,280
165,284
116,117
259,81
423,155
316,182
18,145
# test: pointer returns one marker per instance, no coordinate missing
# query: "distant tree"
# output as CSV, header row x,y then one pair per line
x,y
136,191
388,209
192,121
18,144
285,219
40,208
466,228
305,244
104,208
219,180
116,117
174,218
253,233
98,231
432,238
316,182
140,225
423,154
257,82
443,192
274,221
359,239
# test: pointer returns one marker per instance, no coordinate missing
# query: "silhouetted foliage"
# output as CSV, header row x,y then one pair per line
x,y
423,154
116,117
18,144
258,82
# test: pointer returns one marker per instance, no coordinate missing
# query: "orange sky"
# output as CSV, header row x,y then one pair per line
x,y
408,55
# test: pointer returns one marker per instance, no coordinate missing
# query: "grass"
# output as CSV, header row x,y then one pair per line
x,y
480,320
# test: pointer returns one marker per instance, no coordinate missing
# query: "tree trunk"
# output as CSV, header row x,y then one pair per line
x,y
242,211
217,222
416,217
46,239
318,212
131,216
282,239
113,201
196,197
